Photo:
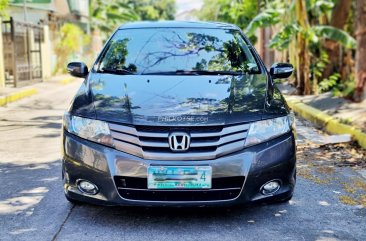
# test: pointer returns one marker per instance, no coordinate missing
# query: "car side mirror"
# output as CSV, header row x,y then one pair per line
x,y
77,69
281,70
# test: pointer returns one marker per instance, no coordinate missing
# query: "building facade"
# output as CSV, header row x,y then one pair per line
x,y
29,36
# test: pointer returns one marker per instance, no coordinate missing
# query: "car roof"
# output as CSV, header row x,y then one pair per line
x,y
177,24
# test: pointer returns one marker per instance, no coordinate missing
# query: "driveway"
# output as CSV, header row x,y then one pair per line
x,y
328,204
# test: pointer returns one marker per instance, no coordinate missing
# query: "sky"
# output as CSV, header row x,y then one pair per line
x,y
187,5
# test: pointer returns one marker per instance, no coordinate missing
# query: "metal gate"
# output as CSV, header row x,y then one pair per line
x,y
22,53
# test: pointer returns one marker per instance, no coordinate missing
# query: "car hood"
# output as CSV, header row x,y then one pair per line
x,y
178,99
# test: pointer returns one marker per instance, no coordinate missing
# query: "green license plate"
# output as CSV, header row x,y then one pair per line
x,y
179,177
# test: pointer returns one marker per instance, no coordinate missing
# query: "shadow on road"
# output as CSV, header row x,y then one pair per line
x,y
48,118
169,217
44,122
27,185
36,199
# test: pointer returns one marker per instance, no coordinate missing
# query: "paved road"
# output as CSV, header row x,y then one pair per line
x,y
327,204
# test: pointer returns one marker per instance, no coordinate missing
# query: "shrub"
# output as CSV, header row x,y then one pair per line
x,y
71,42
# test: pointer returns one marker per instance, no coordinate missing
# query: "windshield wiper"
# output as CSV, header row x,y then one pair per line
x,y
195,72
115,71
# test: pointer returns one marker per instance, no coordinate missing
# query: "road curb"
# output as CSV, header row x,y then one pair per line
x,y
327,122
17,96
66,80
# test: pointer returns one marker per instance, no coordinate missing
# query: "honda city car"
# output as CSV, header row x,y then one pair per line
x,y
178,114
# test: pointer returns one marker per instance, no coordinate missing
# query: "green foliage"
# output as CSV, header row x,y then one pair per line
x,y
272,12
347,121
116,54
107,15
282,39
320,64
71,41
329,83
345,88
71,38
291,27
154,10
3,7
335,34
317,67
333,83
231,11
350,23
320,7
266,18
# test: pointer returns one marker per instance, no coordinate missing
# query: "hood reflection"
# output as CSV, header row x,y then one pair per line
x,y
185,100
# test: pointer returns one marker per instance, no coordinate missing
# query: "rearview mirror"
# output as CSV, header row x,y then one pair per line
x,y
77,69
281,70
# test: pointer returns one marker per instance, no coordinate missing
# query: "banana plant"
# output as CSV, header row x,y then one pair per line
x,y
288,31
295,34
282,39
106,15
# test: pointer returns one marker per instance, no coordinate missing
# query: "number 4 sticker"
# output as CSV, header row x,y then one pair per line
x,y
203,176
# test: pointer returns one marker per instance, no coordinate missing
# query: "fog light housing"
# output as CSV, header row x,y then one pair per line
x,y
87,187
270,187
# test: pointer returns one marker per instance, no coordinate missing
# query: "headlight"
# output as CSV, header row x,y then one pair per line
x,y
93,130
261,131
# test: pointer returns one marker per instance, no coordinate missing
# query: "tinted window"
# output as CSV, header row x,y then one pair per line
x,y
171,49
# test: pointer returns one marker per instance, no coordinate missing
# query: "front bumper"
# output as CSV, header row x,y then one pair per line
x,y
82,159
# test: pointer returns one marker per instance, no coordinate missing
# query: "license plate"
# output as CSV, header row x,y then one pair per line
x,y
179,177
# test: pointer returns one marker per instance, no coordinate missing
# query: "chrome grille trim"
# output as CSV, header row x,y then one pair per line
x,y
222,140
230,139
135,140
124,129
225,131
128,148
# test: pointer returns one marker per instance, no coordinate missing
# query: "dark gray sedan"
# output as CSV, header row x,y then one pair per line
x,y
178,113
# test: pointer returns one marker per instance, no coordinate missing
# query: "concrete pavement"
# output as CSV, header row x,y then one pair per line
x,y
30,167
327,205
10,94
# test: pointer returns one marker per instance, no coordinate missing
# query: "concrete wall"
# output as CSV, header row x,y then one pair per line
x,y
46,54
2,72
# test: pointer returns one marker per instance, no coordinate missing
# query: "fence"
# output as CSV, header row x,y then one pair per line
x,y
22,53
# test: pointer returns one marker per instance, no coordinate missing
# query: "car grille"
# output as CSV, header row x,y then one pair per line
x,y
151,142
135,188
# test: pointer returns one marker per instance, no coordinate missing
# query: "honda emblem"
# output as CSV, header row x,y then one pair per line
x,y
179,141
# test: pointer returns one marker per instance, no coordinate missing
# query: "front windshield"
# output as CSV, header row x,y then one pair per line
x,y
154,50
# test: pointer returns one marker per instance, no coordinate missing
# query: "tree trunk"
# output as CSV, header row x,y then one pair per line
x,y
360,93
261,43
303,59
339,19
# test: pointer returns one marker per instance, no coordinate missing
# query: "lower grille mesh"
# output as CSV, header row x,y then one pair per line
x,y
134,188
